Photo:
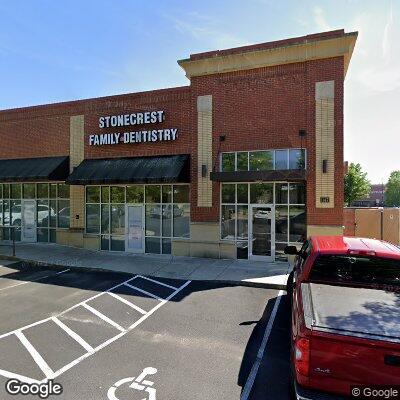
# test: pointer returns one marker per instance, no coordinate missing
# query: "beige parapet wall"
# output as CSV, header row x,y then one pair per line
x,y
374,223
204,150
77,154
324,230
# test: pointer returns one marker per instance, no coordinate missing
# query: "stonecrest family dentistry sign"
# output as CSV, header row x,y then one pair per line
x,y
137,136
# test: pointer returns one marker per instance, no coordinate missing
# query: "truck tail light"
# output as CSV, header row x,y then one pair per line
x,y
302,356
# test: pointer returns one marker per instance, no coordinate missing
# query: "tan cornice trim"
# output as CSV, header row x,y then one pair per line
x,y
306,51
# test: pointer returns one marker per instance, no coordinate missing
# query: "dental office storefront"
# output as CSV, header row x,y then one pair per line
x,y
243,161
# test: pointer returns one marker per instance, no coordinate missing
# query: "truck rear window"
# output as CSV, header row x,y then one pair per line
x,y
359,270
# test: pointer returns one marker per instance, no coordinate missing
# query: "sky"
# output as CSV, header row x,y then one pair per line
x,y
53,51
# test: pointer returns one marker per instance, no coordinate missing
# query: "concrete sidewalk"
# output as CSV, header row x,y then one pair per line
x,y
270,274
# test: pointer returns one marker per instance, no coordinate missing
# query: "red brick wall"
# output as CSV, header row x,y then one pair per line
x,y
34,132
177,110
264,109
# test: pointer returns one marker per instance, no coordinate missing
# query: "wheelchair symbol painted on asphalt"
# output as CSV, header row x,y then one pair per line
x,y
139,383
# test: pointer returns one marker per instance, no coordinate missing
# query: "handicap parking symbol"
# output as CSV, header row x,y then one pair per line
x,y
137,384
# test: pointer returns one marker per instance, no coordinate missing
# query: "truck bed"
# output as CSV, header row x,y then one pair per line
x,y
359,312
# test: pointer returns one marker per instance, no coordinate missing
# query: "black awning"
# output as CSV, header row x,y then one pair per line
x,y
253,176
34,169
161,169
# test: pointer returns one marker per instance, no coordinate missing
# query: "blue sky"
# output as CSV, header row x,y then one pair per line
x,y
54,51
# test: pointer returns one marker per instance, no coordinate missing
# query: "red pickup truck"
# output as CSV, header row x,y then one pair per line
x,y
345,316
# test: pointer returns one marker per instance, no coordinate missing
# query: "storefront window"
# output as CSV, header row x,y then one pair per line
x,y
117,194
15,191
264,160
261,193
153,220
297,193
42,210
29,190
63,213
242,162
105,218
93,194
166,214
281,193
63,191
153,194
281,159
92,218
228,193
6,191
135,194
181,194
297,224
117,243
42,190
181,226
242,222
105,194
242,193
53,213
261,160
228,222
166,196
228,162
167,210
296,159
53,190
118,219
281,224
153,245
50,214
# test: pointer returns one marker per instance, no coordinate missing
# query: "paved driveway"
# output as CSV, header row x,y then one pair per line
x,y
120,336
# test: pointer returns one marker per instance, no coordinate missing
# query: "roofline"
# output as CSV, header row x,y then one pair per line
x,y
39,107
305,48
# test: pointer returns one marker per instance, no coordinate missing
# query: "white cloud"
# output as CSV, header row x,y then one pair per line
x,y
320,19
206,29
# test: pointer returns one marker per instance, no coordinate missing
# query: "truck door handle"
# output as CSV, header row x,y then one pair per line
x,y
391,360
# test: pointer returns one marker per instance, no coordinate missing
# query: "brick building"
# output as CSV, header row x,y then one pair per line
x,y
239,163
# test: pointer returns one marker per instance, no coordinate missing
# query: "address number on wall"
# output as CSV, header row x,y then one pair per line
x,y
324,199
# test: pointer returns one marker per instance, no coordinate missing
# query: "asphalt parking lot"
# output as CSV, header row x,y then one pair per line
x,y
118,336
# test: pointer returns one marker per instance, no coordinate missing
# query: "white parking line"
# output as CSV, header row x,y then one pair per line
x,y
113,339
254,370
134,306
35,355
73,334
49,374
158,282
34,280
143,291
103,317
65,311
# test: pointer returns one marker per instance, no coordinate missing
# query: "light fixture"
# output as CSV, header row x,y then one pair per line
x,y
324,166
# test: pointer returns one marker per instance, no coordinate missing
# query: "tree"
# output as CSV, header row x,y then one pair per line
x,y
356,184
392,193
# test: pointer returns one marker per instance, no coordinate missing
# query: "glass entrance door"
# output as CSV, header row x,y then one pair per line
x,y
262,232
28,221
134,236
